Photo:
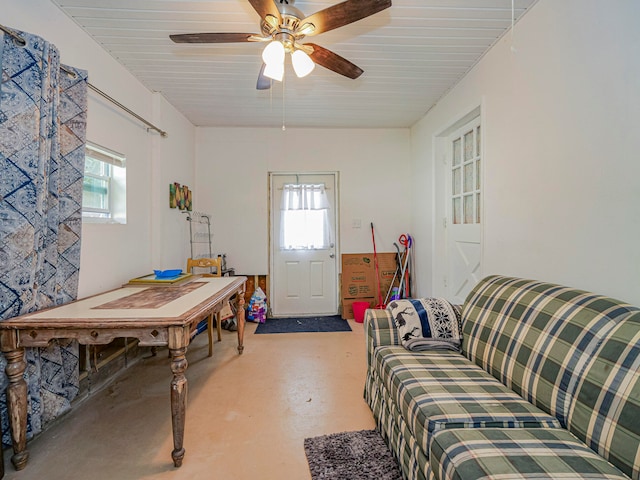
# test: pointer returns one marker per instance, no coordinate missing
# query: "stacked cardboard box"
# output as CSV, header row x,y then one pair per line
x,y
359,282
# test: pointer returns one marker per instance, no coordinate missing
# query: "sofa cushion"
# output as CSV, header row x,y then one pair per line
x,y
605,412
536,337
427,323
438,390
380,330
541,453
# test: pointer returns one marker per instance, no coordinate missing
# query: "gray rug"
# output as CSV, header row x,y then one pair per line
x,y
358,455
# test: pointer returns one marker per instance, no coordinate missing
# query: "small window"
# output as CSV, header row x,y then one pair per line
x,y
466,176
305,219
105,184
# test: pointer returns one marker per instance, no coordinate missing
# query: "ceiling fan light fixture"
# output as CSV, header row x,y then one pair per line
x,y
273,53
302,63
275,71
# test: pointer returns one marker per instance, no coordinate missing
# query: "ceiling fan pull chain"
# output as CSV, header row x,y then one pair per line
x,y
513,26
283,106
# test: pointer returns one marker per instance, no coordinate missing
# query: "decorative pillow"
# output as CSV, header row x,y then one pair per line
x,y
427,323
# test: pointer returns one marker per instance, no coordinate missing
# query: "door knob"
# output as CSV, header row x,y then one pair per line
x,y
332,255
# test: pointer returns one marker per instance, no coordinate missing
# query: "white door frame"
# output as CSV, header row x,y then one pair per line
x,y
272,233
442,199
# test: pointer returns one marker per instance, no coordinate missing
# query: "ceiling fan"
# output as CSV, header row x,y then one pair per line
x,y
284,26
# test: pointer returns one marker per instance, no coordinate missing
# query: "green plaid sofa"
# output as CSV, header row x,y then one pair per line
x,y
547,386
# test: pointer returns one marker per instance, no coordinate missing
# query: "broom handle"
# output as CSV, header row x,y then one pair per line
x,y
406,262
375,262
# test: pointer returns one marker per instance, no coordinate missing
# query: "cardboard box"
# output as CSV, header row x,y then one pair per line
x,y
347,309
359,275
359,282
387,269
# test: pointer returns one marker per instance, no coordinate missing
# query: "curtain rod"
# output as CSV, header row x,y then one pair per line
x,y
20,41
130,112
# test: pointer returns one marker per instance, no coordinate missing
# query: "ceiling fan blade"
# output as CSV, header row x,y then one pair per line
x,y
266,7
333,61
264,83
343,13
213,37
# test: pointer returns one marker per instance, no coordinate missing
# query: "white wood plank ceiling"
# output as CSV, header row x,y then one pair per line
x,y
411,54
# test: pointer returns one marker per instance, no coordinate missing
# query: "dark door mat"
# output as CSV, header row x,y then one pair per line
x,y
333,323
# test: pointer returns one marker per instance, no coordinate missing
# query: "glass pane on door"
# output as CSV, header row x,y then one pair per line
x,y
465,176
304,229
457,152
468,177
457,210
468,145
457,181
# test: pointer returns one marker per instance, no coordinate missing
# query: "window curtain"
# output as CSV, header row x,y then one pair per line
x,y
42,142
304,217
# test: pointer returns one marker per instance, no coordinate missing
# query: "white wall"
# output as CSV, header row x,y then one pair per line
x,y
153,236
173,160
232,166
560,120
561,117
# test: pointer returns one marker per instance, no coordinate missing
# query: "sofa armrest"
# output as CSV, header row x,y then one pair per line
x,y
380,330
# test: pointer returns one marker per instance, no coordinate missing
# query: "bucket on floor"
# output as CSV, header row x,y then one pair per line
x,y
358,310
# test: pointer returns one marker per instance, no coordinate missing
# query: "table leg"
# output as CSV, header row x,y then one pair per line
x,y
17,406
210,332
178,402
240,318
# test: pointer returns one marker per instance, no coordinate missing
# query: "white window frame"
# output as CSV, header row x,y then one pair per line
x,y
116,186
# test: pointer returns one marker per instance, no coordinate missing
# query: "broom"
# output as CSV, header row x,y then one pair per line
x,y
380,305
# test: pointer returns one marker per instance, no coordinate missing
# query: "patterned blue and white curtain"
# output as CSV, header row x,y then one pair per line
x,y
42,140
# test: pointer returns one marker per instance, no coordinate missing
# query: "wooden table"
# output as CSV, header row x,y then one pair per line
x,y
155,315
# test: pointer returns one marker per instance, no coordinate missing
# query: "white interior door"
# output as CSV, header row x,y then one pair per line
x,y
303,248
464,252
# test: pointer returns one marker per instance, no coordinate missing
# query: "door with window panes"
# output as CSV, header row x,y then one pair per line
x,y
465,200
303,250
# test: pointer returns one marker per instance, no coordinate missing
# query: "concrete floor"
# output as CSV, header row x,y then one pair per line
x,y
247,415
